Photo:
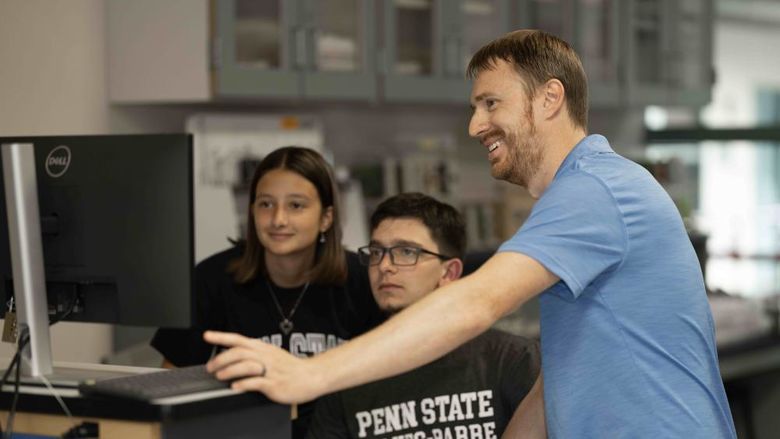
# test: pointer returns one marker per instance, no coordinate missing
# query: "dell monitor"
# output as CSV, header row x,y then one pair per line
x,y
100,227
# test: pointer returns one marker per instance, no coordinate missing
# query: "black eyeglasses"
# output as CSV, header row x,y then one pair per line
x,y
401,255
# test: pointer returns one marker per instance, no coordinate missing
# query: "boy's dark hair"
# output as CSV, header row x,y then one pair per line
x,y
538,57
444,221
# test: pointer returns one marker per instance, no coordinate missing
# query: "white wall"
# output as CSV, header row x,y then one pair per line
x,y
52,81
733,206
746,58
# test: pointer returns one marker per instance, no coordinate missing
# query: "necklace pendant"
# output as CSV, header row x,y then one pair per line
x,y
286,326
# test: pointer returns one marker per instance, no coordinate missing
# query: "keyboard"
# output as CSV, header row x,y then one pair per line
x,y
155,385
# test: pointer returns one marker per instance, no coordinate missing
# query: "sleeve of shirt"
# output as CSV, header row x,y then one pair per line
x,y
185,346
576,231
328,421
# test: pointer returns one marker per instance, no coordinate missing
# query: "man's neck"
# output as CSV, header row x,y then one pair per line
x,y
559,143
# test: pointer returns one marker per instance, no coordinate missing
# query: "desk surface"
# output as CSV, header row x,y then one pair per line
x,y
231,416
220,413
38,398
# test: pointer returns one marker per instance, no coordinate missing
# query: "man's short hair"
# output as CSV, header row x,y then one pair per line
x,y
538,57
443,221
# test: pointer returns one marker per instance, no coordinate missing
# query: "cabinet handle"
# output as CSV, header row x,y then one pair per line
x,y
452,52
381,61
299,35
460,69
447,57
216,53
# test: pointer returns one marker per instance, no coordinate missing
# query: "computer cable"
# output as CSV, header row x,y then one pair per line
x,y
57,396
24,338
12,412
73,304
9,369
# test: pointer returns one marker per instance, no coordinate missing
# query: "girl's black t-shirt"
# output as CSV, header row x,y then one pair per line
x,y
325,317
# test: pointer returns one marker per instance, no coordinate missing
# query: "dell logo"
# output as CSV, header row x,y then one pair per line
x,y
57,161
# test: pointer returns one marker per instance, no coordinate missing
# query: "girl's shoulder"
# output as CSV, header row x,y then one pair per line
x,y
217,263
352,260
357,273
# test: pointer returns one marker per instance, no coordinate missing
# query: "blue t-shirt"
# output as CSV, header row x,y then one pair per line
x,y
628,341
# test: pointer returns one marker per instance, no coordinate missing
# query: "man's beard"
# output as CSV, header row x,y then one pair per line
x,y
523,159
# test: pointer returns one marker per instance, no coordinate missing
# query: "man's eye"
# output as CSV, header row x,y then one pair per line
x,y
263,204
296,205
490,103
408,251
375,252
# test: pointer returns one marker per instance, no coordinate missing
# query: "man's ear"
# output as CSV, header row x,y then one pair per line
x,y
453,269
552,96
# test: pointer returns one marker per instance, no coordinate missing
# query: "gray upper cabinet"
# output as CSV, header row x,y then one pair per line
x,y
596,39
691,68
591,26
481,22
552,16
669,52
635,52
428,43
258,48
646,47
295,48
341,62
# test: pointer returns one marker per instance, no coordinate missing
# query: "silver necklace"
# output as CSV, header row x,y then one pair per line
x,y
286,325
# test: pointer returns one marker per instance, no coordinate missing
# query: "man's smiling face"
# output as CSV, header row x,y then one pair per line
x,y
503,121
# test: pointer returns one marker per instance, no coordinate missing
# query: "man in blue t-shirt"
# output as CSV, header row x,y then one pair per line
x,y
628,343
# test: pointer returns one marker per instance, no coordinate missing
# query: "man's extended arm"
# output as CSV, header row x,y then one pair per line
x,y
421,333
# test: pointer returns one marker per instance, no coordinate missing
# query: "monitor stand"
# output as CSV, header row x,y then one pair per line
x,y
24,235
69,374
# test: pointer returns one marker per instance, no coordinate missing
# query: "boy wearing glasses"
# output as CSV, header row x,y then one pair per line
x,y
417,245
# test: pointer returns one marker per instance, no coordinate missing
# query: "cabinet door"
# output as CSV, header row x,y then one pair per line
x,y
691,70
596,41
340,43
261,49
428,43
413,47
647,52
482,22
591,27
552,16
